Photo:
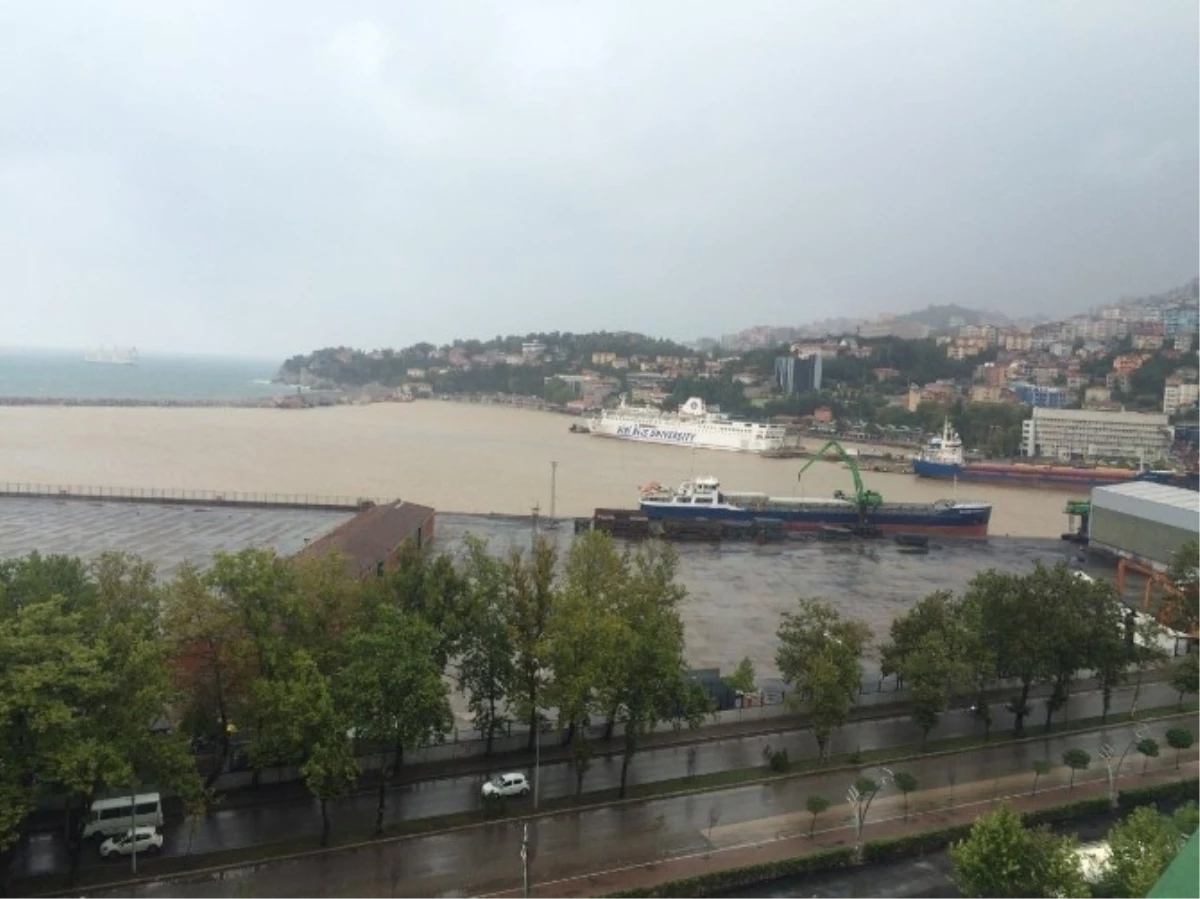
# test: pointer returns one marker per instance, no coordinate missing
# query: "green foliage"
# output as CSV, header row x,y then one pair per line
x,y
1185,676
906,782
1179,739
777,759
1148,749
1183,607
916,844
1142,846
815,805
486,668
84,679
1068,811
742,679
1174,791
1041,767
819,655
1001,857
1076,760
929,650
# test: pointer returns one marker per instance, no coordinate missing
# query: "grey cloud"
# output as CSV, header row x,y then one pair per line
x,y
271,177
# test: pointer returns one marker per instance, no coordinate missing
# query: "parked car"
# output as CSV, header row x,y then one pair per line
x,y
507,785
144,839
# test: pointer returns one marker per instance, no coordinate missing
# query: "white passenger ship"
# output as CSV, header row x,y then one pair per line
x,y
692,425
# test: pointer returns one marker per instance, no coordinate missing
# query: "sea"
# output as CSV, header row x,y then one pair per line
x,y
62,374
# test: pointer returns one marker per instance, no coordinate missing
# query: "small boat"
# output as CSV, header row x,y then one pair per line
x,y
914,540
580,429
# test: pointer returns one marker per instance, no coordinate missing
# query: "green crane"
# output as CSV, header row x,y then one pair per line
x,y
866,499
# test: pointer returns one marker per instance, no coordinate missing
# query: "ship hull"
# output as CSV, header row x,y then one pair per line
x,y
1032,476
916,519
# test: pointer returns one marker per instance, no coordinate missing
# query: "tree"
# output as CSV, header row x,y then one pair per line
x,y
1146,652
647,680
815,805
1001,857
204,629
303,726
1149,750
742,680
927,650
531,600
1183,604
1041,767
84,680
1185,676
818,655
582,636
906,782
486,668
1179,739
1076,760
392,688
1141,847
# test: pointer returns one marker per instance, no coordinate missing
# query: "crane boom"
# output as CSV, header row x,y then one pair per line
x,y
866,499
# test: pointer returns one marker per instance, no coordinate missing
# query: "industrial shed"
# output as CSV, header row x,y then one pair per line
x,y
1143,520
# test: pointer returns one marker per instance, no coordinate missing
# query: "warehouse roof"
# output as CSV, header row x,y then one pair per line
x,y
1152,492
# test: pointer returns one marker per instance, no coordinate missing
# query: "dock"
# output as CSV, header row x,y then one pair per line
x,y
632,524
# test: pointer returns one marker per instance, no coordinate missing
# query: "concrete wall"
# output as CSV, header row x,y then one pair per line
x,y
1125,534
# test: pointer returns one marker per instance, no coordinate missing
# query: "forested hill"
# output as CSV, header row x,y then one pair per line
x,y
344,366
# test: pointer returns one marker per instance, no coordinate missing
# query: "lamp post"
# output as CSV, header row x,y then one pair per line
x,y
525,859
1107,752
860,804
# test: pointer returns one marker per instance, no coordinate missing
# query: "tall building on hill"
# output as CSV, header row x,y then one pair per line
x,y
798,374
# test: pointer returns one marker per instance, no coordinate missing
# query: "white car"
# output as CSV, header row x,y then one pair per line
x,y
144,839
507,785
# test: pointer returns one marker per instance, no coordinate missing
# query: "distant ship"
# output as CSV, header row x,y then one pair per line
x,y
942,459
693,425
115,356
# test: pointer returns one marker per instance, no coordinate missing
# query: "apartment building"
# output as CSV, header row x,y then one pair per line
x,y
1179,392
1083,433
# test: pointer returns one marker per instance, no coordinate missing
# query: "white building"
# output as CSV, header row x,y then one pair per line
x,y
1178,394
1088,434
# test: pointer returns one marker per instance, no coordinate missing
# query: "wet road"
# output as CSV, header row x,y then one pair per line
x,y
235,828
484,860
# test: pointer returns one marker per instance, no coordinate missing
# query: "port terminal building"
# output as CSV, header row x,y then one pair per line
x,y
1086,434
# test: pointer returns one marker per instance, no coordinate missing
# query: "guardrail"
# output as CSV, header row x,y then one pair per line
x,y
180,496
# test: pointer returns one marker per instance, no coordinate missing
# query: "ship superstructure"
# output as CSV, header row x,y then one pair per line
x,y
692,425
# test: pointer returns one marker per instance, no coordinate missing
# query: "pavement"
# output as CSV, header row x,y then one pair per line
x,y
227,828
485,859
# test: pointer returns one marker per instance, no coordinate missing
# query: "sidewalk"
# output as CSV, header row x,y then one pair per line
x,y
928,810
271,792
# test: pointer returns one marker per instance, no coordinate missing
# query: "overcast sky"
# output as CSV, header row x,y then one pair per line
x,y
266,178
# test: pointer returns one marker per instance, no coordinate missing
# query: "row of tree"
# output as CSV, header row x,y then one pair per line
x,y
1046,627
107,674
1004,857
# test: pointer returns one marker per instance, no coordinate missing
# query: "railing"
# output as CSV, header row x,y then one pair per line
x,y
182,496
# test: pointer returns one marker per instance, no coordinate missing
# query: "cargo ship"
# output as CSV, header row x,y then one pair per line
x,y
942,459
702,499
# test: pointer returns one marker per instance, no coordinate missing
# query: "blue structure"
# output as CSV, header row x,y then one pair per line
x,y
1039,396
798,374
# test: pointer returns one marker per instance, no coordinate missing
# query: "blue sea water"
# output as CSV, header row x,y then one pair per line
x,y
62,374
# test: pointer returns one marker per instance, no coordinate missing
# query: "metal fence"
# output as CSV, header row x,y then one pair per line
x,y
187,497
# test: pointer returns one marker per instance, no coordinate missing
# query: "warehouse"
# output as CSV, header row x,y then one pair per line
x,y
1143,520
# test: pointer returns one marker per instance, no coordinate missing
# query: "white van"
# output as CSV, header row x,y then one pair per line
x,y
119,814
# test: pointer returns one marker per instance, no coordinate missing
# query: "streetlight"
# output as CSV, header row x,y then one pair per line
x,y
860,802
1107,752
525,858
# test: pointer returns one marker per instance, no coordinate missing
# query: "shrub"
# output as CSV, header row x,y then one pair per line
x,y
736,878
914,844
1180,790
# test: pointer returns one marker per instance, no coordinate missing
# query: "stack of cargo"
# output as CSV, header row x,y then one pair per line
x,y
1144,521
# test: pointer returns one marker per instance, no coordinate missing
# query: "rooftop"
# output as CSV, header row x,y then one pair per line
x,y
165,534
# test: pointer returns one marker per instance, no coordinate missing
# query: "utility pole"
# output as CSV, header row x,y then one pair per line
x,y
133,824
525,859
